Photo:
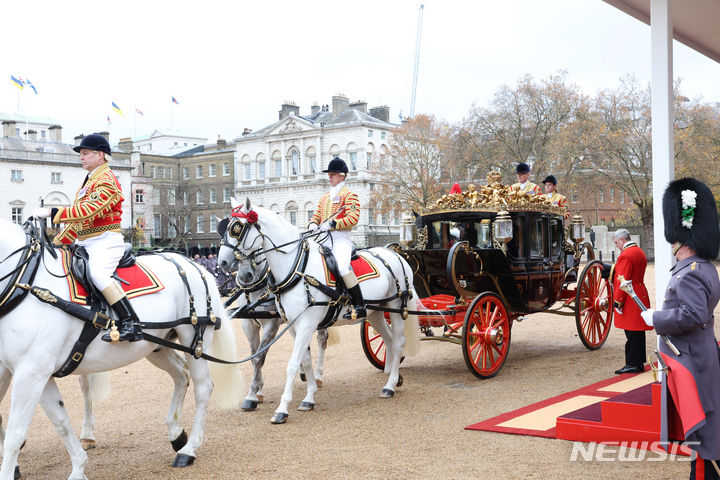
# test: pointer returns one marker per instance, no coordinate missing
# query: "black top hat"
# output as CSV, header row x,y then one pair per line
x,y
336,165
522,168
691,216
94,142
551,179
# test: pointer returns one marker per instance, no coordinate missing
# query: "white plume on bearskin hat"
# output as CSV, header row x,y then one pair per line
x,y
691,218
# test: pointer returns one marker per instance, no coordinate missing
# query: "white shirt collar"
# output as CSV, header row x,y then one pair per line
x,y
334,190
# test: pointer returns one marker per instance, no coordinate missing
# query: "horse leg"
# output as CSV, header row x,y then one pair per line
x,y
252,331
52,403
322,341
5,378
175,365
303,377
303,335
87,434
203,387
392,364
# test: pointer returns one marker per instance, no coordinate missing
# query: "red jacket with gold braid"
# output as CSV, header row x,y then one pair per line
x,y
327,206
97,208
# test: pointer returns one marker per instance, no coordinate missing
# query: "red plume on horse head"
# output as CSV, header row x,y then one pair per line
x,y
455,188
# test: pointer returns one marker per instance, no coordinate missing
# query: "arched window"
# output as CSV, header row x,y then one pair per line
x,y
311,160
369,152
352,159
291,212
309,210
260,160
293,159
277,164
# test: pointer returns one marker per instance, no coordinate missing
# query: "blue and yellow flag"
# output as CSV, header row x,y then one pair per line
x,y
29,84
17,82
117,109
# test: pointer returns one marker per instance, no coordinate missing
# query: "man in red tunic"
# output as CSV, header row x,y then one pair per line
x,y
631,264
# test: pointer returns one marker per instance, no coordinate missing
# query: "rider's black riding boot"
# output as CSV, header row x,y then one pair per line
x,y
127,318
356,297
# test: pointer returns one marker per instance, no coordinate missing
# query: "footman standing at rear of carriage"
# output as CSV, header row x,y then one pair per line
x,y
327,219
693,292
93,222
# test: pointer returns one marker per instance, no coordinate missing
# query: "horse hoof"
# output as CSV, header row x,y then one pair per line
x,y
260,398
387,393
249,405
318,383
279,418
182,460
399,382
306,406
179,442
17,472
303,377
87,443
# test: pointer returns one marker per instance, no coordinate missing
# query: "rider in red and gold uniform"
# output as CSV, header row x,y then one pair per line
x,y
523,184
326,218
93,222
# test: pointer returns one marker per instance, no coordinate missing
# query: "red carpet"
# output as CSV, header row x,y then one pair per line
x,y
539,418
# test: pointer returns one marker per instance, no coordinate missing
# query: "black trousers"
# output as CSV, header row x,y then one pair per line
x,y
703,470
635,355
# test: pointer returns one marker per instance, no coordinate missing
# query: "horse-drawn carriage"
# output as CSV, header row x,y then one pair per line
x,y
482,259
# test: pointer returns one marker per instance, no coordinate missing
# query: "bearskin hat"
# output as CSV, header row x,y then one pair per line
x,y
691,216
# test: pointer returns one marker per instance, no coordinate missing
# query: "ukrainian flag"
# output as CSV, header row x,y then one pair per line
x,y
17,82
117,109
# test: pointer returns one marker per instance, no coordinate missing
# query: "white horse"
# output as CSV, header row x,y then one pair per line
x,y
296,265
253,294
36,338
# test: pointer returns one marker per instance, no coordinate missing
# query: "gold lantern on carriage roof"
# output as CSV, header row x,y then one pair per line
x,y
577,229
502,227
407,230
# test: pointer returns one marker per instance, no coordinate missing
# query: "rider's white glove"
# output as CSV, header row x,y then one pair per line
x,y
647,315
42,212
325,227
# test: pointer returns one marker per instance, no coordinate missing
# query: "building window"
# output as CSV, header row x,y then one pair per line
x,y
384,219
212,170
294,163
185,198
171,197
16,175
187,224
168,172
198,171
42,134
213,223
574,197
612,194
226,194
186,173
199,197
200,224
382,135
247,171
310,214
353,161
172,231
226,169
369,160
56,177
371,216
156,197
157,226
139,196
370,133
261,170
372,187
311,163
160,172
601,196
16,215
293,217
152,171
622,196
213,196
278,168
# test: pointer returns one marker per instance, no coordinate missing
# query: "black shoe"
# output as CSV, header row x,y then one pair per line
x,y
629,369
127,320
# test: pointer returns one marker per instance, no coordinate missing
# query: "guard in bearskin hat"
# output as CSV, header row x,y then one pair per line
x,y
338,212
93,222
686,318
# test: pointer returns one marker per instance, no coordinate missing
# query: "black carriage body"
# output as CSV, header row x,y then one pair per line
x,y
528,277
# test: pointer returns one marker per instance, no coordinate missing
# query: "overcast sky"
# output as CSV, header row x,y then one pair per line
x,y
232,64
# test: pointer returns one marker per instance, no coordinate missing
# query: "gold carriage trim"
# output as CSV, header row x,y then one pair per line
x,y
493,197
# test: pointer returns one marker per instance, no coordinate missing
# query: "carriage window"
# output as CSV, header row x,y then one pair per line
x,y
538,234
484,238
434,235
556,240
516,246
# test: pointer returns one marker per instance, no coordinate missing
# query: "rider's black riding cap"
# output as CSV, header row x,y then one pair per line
x,y
94,142
522,168
337,165
551,179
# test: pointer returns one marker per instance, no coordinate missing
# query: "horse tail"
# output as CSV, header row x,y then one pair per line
x,y
228,380
412,328
99,386
333,337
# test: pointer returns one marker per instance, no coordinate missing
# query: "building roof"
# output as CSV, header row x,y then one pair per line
x,y
696,23
15,117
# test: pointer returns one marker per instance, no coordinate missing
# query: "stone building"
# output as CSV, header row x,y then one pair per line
x,y
280,166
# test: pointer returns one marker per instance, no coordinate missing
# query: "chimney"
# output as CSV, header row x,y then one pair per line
x,y
315,108
78,139
381,113
247,130
55,133
360,106
126,144
106,135
287,109
221,143
31,135
339,104
8,128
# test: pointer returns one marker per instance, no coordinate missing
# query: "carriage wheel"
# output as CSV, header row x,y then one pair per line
x,y
373,345
486,335
593,321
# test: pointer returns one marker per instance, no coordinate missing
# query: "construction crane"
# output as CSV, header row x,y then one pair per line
x,y
416,62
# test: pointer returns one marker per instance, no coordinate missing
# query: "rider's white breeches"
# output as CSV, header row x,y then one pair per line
x,y
105,252
342,249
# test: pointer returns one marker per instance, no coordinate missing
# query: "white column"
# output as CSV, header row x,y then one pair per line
x,y
662,134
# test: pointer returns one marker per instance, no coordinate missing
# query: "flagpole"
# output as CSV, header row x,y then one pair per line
x,y
172,115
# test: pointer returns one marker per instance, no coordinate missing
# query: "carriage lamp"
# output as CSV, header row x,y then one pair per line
x,y
578,229
502,228
407,230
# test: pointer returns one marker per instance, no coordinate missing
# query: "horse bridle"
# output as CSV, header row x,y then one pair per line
x,y
24,272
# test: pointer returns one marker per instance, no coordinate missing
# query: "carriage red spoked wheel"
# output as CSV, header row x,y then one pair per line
x,y
593,306
486,335
373,345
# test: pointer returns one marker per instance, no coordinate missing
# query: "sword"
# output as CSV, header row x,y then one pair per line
x,y
661,374
626,286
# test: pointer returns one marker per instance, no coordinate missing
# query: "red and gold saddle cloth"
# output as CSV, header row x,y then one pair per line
x,y
142,281
364,270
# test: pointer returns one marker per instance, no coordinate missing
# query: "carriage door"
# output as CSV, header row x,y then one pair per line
x,y
539,264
